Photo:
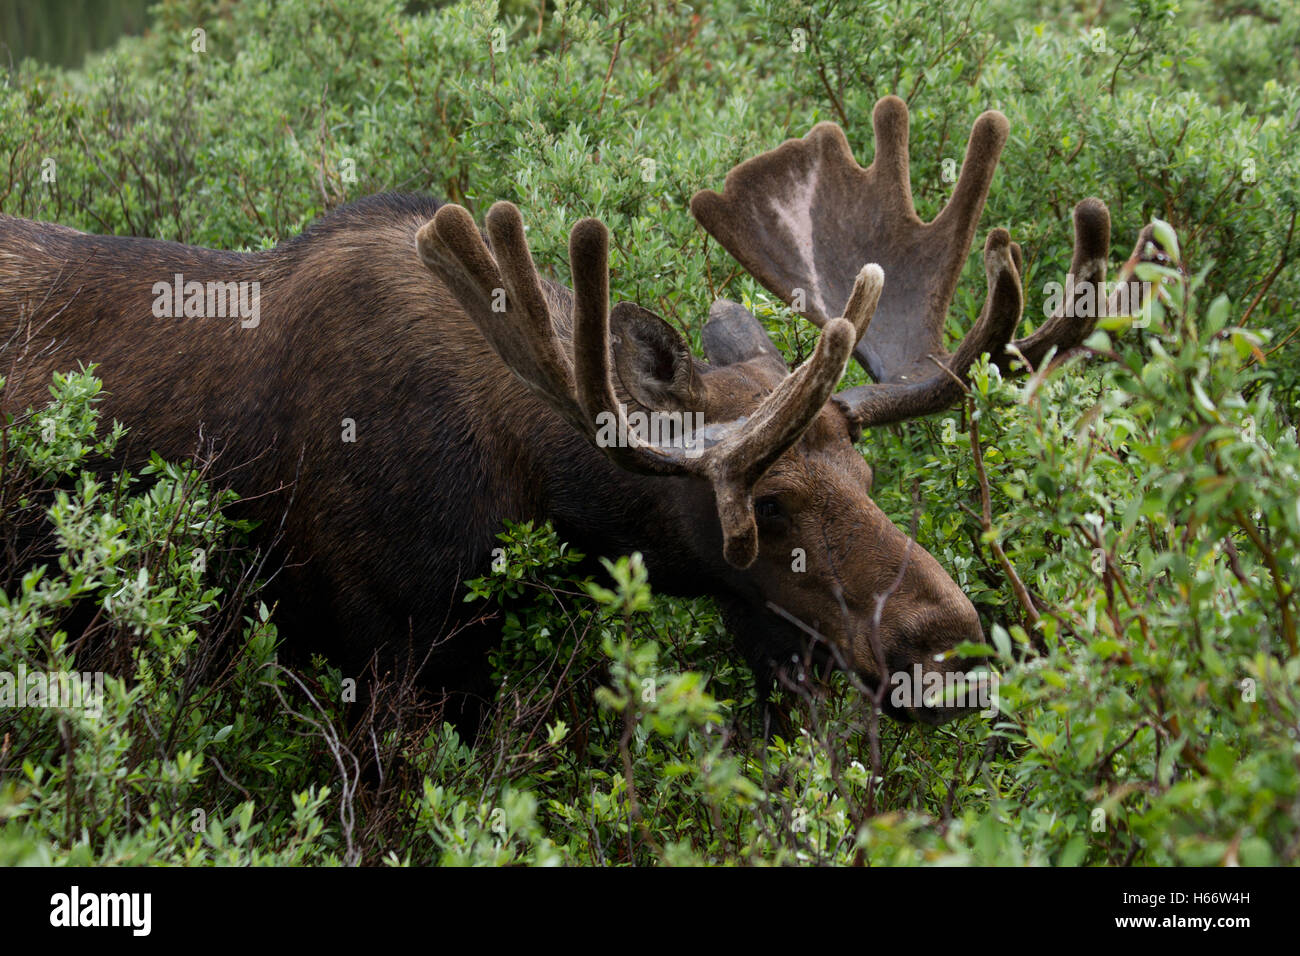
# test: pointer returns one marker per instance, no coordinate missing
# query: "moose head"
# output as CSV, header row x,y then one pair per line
x,y
768,494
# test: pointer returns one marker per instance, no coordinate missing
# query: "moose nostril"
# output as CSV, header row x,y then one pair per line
x,y
936,632
926,681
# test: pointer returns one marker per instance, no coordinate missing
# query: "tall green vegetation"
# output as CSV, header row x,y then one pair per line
x,y
1144,495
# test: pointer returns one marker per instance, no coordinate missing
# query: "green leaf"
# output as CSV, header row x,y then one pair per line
x,y
1165,235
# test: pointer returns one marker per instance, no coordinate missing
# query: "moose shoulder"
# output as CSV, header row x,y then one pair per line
x,y
389,387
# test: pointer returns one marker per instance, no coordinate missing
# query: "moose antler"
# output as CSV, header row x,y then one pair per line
x,y
579,386
803,217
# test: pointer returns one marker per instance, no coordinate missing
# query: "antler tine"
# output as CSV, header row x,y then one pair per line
x,y
1002,305
1069,326
881,404
453,248
1146,249
450,245
589,265
741,460
784,414
531,317
892,162
983,149
864,298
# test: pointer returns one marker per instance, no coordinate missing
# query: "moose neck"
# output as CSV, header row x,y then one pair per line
x,y
607,512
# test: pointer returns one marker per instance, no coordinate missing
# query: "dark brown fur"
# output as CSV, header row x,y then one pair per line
x,y
381,533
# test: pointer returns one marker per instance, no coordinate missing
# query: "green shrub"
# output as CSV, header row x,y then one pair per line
x,y
1136,576
180,750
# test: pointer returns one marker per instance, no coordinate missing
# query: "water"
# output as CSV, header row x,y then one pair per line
x,y
62,32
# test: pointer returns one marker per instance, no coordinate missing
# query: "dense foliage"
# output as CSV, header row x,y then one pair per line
x,y
1135,575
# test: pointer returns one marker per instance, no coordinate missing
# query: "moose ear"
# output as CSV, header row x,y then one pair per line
x,y
653,360
733,335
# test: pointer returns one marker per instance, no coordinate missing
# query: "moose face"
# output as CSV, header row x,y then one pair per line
x,y
772,464
832,565
833,579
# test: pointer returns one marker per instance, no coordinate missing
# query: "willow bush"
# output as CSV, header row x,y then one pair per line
x,y
1144,495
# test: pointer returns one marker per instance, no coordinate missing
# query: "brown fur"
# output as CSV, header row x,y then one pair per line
x,y
381,533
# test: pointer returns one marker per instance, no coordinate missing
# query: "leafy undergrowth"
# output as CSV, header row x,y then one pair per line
x,y
1145,494
1147,705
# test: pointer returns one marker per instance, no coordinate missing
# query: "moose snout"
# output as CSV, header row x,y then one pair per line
x,y
926,681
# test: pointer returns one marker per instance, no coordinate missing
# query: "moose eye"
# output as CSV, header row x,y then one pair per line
x,y
768,508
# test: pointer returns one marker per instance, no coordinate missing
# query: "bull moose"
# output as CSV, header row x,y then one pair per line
x,y
475,387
